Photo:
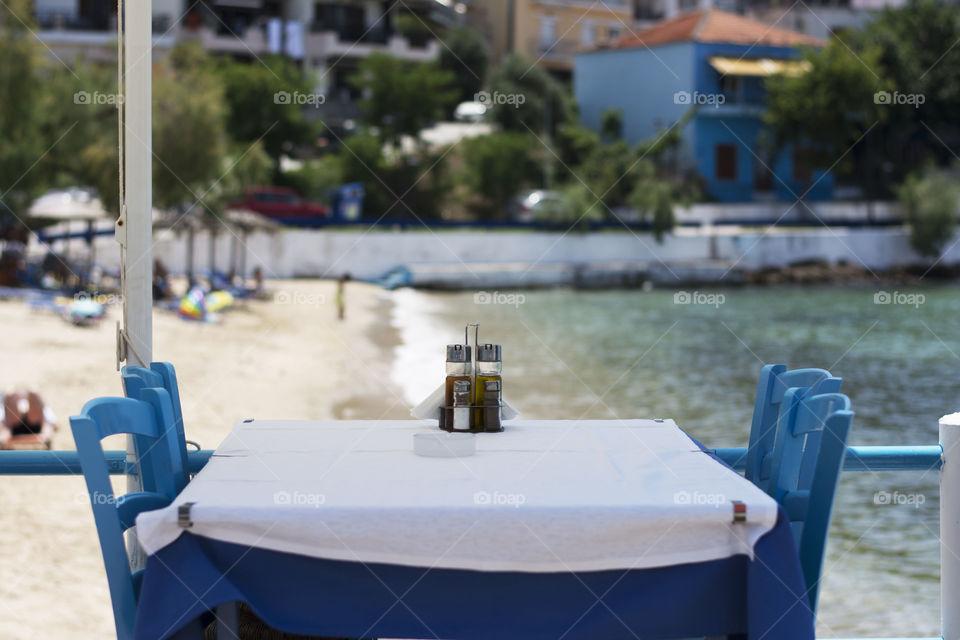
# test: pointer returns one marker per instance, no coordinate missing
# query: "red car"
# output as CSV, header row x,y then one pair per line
x,y
280,202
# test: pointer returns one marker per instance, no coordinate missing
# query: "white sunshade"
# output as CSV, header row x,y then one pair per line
x,y
68,204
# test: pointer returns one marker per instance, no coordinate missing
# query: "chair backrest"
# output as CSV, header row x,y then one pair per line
x,y
163,375
807,460
149,419
773,384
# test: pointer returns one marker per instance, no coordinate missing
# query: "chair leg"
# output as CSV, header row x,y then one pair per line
x,y
228,622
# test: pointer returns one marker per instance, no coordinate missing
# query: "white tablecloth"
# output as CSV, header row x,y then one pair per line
x,y
543,496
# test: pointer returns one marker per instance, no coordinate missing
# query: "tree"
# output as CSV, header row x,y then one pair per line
x,y
188,129
399,187
611,124
400,97
464,55
526,98
499,165
930,202
266,100
824,112
20,116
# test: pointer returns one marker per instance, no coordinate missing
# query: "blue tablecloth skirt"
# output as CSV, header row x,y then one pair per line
x,y
764,598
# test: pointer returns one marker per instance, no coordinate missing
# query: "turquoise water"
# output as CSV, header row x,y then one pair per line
x,y
639,354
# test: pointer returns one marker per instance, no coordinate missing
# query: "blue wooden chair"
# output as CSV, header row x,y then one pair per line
x,y
149,420
805,468
773,384
163,375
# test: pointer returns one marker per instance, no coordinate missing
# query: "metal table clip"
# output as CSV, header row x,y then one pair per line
x,y
739,511
183,515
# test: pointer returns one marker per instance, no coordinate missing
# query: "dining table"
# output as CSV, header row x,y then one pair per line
x,y
550,529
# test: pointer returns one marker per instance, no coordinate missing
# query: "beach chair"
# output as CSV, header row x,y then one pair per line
x,y
163,375
771,387
150,420
805,469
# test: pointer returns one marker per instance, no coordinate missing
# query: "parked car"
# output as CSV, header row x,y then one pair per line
x,y
470,112
535,205
280,202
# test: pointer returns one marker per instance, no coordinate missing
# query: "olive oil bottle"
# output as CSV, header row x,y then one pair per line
x,y
488,390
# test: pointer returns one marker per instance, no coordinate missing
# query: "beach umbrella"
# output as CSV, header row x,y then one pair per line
x,y
68,205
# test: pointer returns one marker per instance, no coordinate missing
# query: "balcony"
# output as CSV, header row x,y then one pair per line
x,y
320,44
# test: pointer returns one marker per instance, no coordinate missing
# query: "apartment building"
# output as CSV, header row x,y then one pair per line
x,y
328,38
549,31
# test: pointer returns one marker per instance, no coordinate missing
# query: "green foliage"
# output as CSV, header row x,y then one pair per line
x,y
653,197
401,97
316,177
930,202
574,144
20,117
256,107
577,207
523,93
410,187
499,165
827,109
908,54
611,124
188,131
464,55
243,166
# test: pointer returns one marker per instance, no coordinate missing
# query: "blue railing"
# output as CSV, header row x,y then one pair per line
x,y
875,458
67,463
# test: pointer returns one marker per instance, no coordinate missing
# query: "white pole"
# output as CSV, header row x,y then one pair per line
x,y
135,226
950,527
138,259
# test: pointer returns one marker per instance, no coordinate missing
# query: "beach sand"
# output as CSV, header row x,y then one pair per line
x,y
284,358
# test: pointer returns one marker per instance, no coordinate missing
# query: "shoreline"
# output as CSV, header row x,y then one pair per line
x,y
291,360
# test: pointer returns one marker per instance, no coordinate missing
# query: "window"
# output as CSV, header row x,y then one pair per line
x,y
587,33
732,88
726,162
548,32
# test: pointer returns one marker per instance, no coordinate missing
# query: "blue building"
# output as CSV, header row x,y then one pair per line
x,y
714,61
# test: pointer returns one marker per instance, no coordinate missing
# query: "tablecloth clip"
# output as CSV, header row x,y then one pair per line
x,y
739,511
183,515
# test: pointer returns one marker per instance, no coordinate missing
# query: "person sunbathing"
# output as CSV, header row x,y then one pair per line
x,y
25,414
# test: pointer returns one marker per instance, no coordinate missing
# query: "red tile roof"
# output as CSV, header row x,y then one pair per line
x,y
714,25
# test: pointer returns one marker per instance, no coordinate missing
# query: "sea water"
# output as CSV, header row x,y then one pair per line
x,y
694,356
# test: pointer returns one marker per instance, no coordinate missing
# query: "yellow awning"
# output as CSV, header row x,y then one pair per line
x,y
759,67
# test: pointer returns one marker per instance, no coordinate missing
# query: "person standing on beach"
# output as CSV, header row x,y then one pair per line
x,y
340,299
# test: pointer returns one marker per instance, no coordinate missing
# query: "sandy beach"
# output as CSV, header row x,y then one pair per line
x,y
285,358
